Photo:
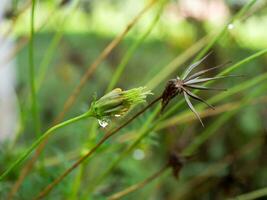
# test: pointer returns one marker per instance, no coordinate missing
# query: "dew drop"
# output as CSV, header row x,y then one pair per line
x,y
138,154
230,26
102,123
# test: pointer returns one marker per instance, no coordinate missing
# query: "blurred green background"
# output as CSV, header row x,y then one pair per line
x,y
227,157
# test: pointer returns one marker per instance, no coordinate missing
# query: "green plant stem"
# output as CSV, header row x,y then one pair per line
x,y
34,106
47,58
244,61
43,68
50,52
252,195
41,139
39,80
49,187
76,184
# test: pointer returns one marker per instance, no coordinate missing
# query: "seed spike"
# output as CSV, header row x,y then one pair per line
x,y
194,65
197,98
192,108
200,87
187,82
200,73
202,80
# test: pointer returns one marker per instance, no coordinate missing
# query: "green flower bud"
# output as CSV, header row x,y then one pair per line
x,y
118,102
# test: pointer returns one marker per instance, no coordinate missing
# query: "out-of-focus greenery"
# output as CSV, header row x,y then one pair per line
x,y
227,157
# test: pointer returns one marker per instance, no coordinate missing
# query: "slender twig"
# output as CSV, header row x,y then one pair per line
x,y
44,192
139,185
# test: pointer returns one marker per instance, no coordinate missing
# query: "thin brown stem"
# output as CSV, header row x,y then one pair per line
x,y
83,158
139,185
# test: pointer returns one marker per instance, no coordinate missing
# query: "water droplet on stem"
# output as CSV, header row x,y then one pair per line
x,y
138,154
103,123
230,26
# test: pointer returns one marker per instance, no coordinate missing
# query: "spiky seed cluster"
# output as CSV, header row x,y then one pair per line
x,y
118,102
182,86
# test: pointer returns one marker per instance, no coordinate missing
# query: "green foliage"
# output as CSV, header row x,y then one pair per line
x,y
221,161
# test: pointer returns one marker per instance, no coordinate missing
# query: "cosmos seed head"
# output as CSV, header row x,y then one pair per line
x,y
187,82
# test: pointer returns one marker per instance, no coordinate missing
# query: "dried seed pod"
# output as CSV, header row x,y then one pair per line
x,y
170,91
184,84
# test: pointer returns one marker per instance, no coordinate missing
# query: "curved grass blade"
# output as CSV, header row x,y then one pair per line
x,y
200,87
